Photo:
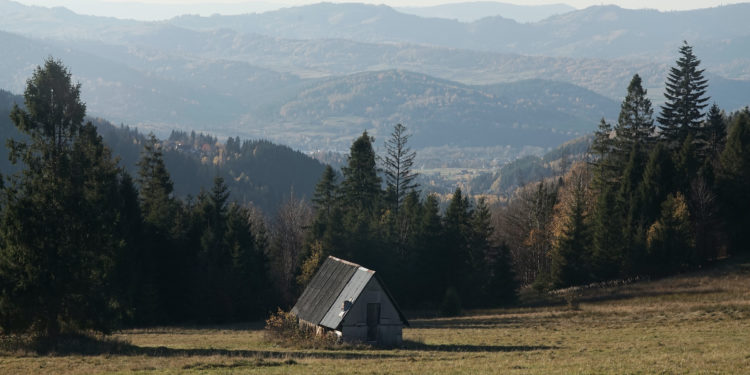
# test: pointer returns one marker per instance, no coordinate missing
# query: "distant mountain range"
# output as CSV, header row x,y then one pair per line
x,y
316,76
598,31
314,113
472,11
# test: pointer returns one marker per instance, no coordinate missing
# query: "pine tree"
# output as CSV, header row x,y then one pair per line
x,y
714,133
685,94
607,235
670,239
733,180
156,186
479,253
571,258
629,200
601,150
503,286
686,165
635,123
325,195
432,253
361,184
399,161
61,216
457,231
657,183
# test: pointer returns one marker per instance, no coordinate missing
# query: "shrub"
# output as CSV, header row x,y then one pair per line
x,y
285,329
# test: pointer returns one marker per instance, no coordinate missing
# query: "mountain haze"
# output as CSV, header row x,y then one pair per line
x,y
472,11
314,77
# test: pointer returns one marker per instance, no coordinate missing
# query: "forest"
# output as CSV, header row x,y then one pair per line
x,y
85,244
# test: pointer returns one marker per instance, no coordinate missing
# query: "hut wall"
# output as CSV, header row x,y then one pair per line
x,y
389,329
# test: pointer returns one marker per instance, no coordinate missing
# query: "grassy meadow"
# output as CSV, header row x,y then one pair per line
x,y
694,323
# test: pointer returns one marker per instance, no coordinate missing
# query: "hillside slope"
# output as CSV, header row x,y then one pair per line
x,y
256,171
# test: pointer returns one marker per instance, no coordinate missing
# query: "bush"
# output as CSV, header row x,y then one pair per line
x,y
451,305
285,329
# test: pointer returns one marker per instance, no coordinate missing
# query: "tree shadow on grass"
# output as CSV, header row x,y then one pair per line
x,y
625,295
86,345
415,345
468,323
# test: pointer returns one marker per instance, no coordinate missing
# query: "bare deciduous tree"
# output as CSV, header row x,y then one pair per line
x,y
288,230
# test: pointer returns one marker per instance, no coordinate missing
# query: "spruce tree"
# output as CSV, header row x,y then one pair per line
x,y
161,276
157,203
457,229
432,253
361,204
60,222
361,184
480,251
570,256
601,150
503,286
635,123
629,200
733,180
670,240
685,94
714,133
607,223
657,183
325,195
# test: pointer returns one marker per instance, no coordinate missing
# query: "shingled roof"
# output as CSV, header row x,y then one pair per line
x,y
336,281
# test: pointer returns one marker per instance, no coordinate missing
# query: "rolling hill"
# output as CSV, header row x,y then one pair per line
x,y
472,11
260,171
227,98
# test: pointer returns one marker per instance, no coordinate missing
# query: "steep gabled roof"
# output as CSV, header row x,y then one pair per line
x,y
335,282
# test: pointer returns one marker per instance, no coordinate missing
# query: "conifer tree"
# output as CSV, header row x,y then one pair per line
x,y
432,253
503,286
670,240
361,184
399,161
686,165
685,94
325,195
601,150
571,258
635,123
156,186
733,180
480,251
607,235
630,202
457,234
657,183
714,133
60,222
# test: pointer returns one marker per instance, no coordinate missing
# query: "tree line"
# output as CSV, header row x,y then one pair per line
x,y
86,245
389,226
649,200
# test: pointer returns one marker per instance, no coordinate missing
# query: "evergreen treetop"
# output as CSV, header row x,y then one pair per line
x,y
685,94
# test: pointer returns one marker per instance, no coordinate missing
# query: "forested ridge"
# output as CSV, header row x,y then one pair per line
x,y
663,190
86,244
250,168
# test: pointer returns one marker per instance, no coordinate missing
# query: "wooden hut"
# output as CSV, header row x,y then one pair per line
x,y
351,301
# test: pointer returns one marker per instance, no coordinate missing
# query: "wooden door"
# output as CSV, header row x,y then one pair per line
x,y
373,320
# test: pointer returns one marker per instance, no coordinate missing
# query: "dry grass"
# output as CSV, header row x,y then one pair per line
x,y
697,323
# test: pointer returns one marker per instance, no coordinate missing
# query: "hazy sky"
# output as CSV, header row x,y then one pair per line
x,y
657,4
